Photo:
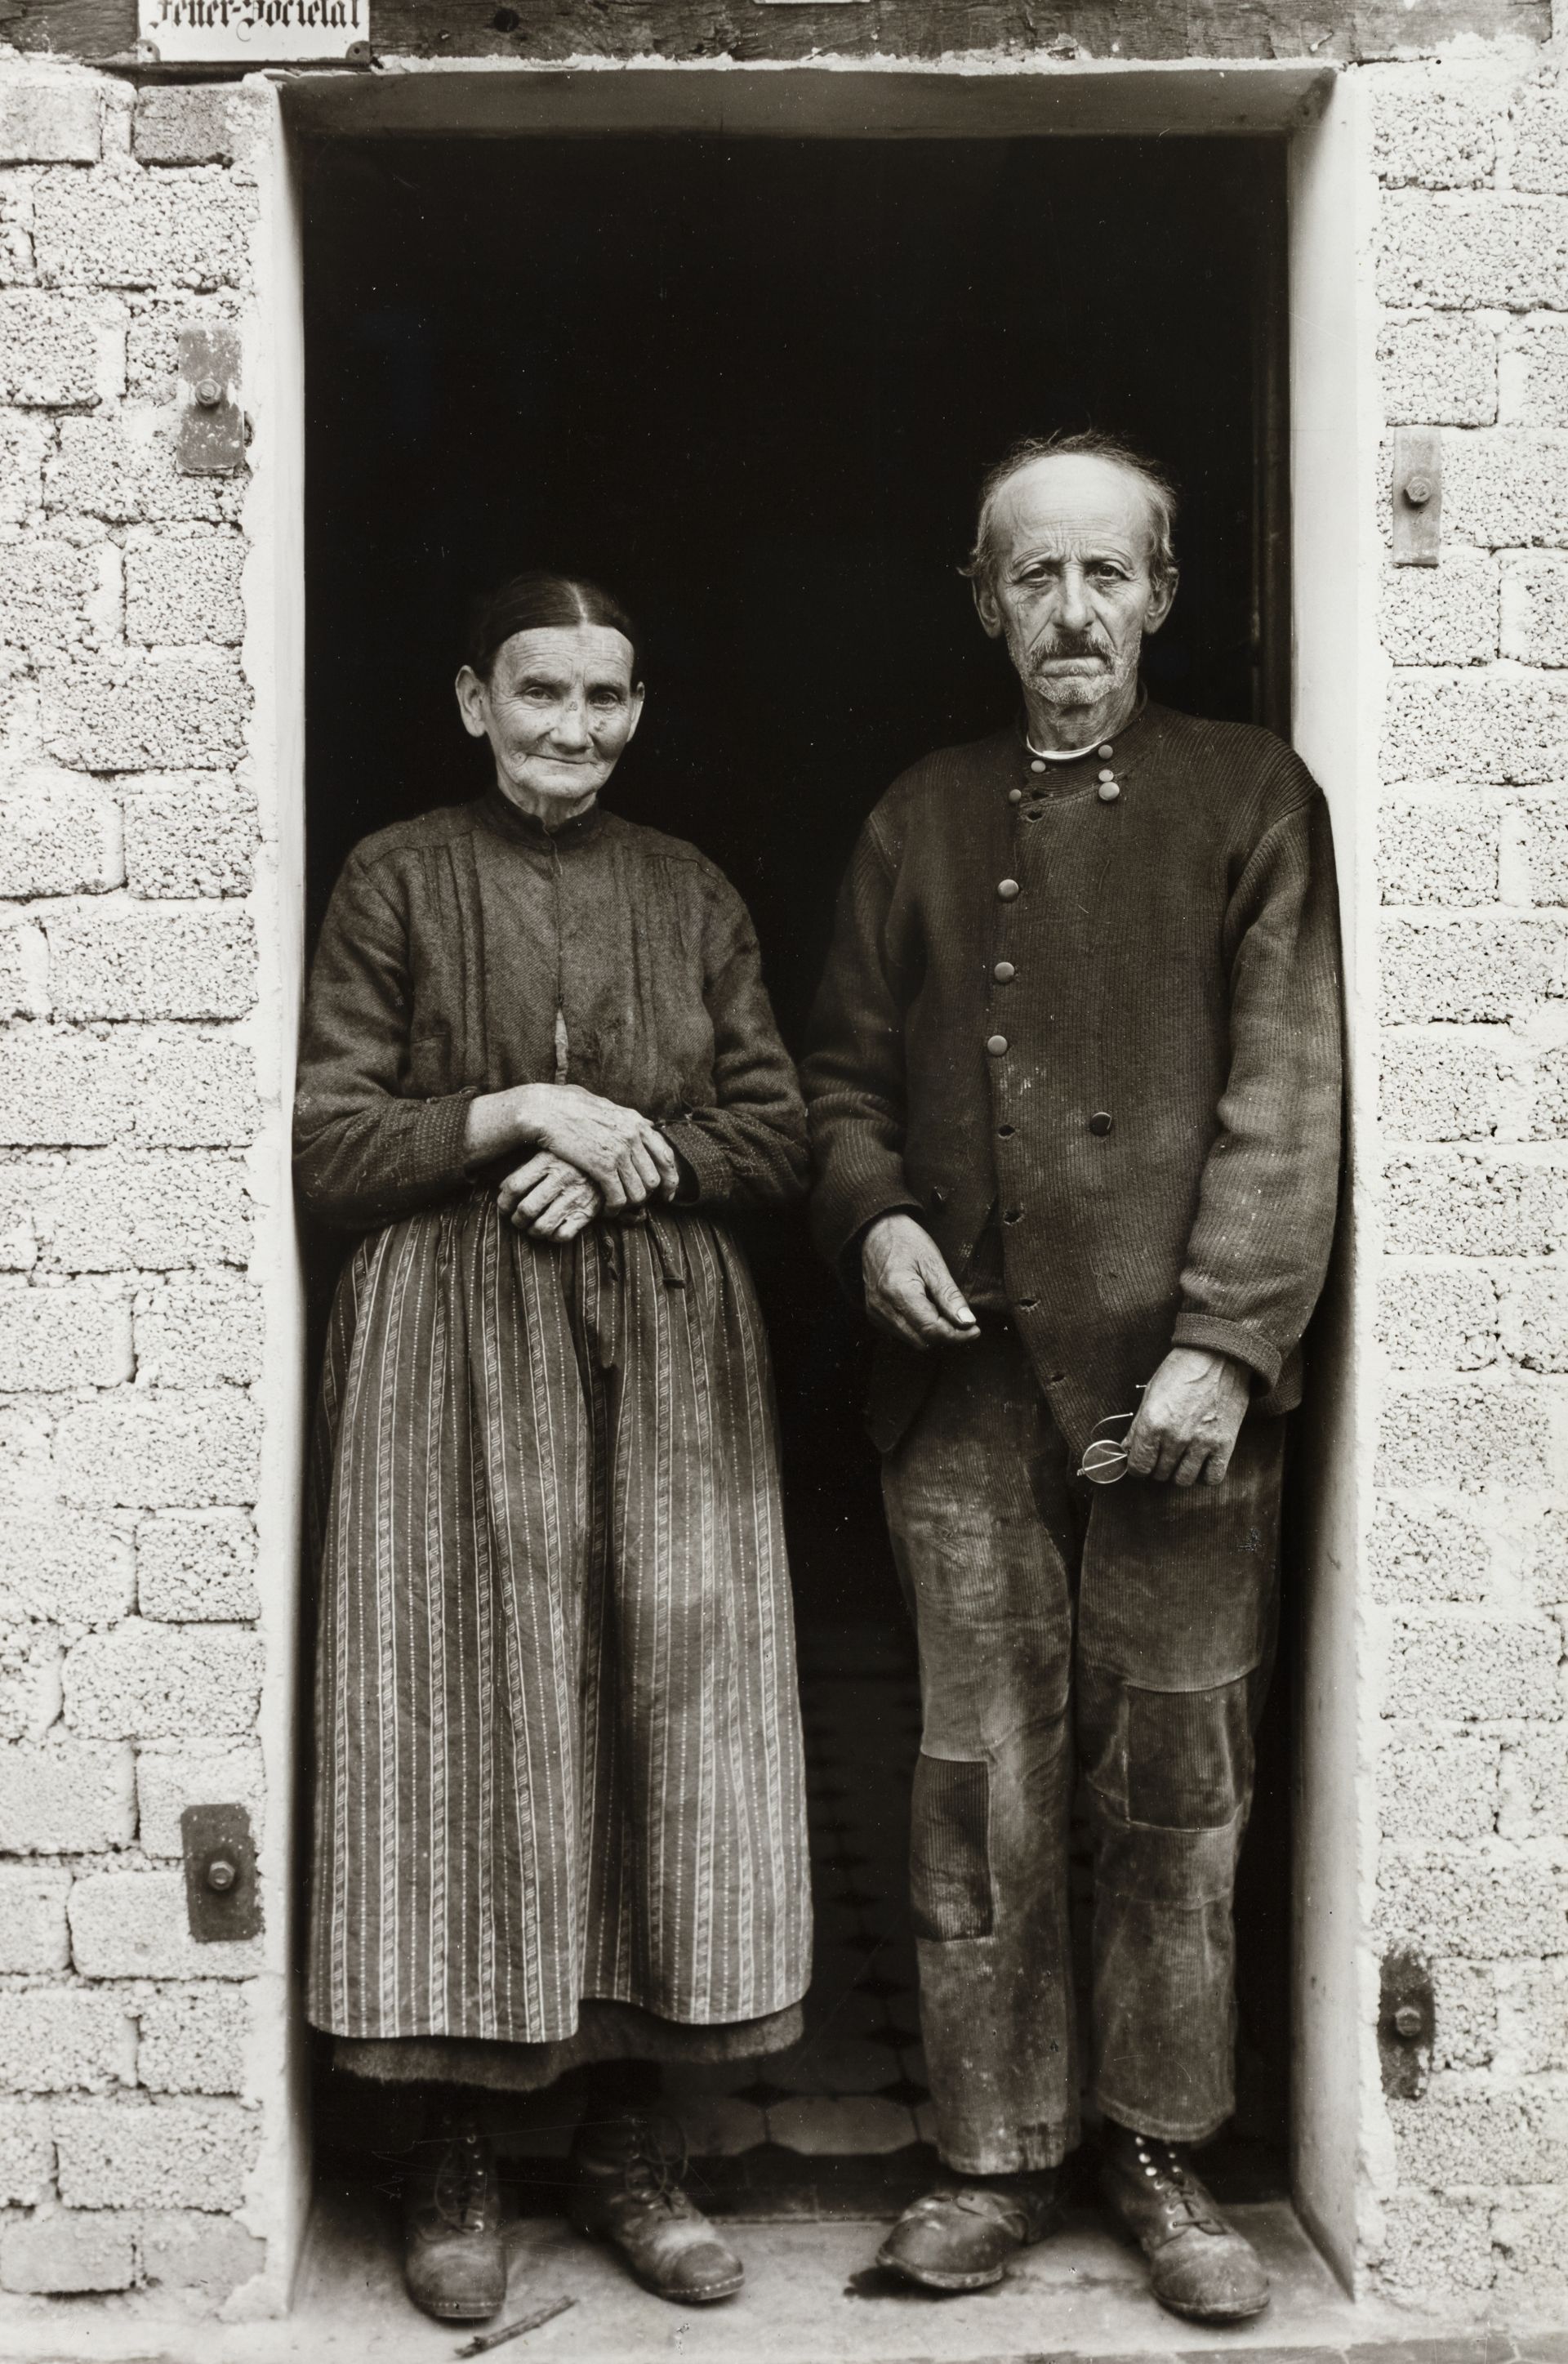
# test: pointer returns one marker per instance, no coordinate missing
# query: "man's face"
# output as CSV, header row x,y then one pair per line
x,y
558,710
1070,589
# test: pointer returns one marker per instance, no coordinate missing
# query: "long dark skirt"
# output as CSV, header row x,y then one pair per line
x,y
559,1736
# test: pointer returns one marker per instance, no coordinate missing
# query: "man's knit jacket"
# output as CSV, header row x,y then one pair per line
x,y
1173,958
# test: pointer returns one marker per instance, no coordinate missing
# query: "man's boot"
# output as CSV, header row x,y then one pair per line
x,y
1199,2265
624,2188
453,2262
961,2236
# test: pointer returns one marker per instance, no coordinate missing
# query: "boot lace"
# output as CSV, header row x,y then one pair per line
x,y
461,2190
656,2160
1164,2168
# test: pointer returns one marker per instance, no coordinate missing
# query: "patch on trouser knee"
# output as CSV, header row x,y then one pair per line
x,y
1189,1756
950,1853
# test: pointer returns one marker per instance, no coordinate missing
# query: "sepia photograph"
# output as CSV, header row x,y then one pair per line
x,y
784,1170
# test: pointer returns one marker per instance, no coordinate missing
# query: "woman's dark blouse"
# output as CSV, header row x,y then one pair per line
x,y
450,944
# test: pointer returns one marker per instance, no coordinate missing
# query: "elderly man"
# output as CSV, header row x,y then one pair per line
x,y
1075,1084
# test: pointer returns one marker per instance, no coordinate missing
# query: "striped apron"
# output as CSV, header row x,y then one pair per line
x,y
559,1741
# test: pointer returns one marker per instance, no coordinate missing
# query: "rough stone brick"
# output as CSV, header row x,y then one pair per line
x,y
146,1680
23,442
200,125
193,1091
144,229
32,1917
161,1450
1444,1319
26,1435
63,1568
1534,1323
1427,137
209,2255
1512,728
64,2039
1442,1786
61,1086
1545,1540
1428,1555
27,2153
192,2039
1455,1665
1540,395
1438,852
1444,1085
1533,2016
1442,615
1549,1114
49,122
45,590
1534,1783
153,1210
132,1925
153,340
189,833
183,587
1468,969
168,1780
1465,2029
23,986
1460,253
1529,2237
1439,370
1475,2134
67,2250
1436,2243
58,834
1454,1436
59,351
1540,141
120,959
30,1680
1494,1905
134,709
1535,610
68,1796
53,1339
1545,829
122,469
199,1329
24,1187
1504,490
1462,1204
119,2154
196,1567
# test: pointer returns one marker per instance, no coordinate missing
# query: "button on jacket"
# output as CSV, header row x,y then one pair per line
x,y
1158,1113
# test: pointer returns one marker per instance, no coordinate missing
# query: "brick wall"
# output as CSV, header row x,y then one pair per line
x,y
1468,1558
131,1331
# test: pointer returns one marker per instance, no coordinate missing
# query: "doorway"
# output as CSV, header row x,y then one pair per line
x,y
752,385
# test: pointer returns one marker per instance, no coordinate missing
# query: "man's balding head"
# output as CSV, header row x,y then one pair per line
x,y
1154,488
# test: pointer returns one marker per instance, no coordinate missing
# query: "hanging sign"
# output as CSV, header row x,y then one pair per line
x,y
252,32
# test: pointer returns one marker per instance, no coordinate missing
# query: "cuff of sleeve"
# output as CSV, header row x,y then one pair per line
x,y
843,1223
433,1154
1231,1338
706,1162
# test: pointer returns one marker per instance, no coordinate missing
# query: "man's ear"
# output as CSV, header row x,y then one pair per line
x,y
1161,595
470,701
986,607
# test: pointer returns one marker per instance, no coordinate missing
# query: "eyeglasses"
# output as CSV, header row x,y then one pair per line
x,y
1104,1458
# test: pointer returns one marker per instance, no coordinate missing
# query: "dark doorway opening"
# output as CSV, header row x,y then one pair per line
x,y
752,387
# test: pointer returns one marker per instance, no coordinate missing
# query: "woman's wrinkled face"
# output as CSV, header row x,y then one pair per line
x,y
558,710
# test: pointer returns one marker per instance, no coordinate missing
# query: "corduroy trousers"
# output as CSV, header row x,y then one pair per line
x,y
1127,1631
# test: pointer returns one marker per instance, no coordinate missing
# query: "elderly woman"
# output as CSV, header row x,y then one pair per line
x,y
560,1811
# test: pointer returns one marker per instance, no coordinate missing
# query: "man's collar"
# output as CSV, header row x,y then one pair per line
x,y
1103,748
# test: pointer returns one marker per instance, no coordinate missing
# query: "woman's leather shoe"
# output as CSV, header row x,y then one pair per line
x,y
454,2261
624,2189
959,2237
1199,2266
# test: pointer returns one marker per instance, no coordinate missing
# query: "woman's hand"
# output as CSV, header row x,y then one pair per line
x,y
549,1198
623,1155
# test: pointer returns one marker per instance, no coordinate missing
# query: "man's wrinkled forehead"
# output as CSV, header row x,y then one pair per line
x,y
1071,503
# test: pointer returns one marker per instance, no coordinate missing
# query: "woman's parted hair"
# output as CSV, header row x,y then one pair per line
x,y
1091,444
536,599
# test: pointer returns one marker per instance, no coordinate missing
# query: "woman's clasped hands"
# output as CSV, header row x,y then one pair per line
x,y
589,1155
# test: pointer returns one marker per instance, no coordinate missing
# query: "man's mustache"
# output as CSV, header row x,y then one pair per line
x,y
1062,646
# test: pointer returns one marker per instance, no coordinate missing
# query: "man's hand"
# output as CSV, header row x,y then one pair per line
x,y
623,1155
549,1198
910,1291
1187,1423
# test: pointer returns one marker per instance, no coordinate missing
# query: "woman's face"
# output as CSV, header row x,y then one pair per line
x,y
558,710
